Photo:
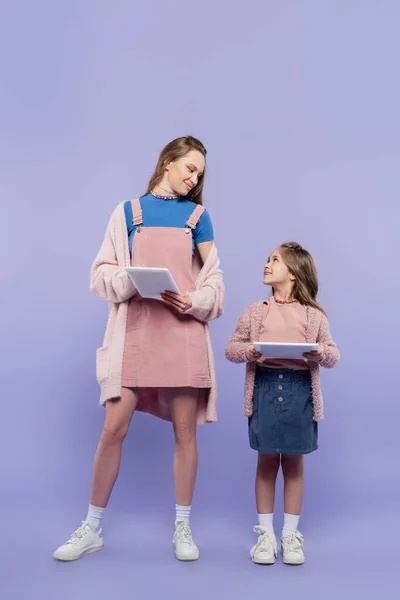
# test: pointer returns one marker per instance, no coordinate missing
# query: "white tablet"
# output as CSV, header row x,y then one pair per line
x,y
283,349
150,282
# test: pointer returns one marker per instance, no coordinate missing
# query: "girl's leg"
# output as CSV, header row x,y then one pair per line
x,y
293,476
265,550
267,471
292,540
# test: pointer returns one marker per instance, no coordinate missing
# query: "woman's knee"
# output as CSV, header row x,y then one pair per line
x,y
113,433
118,417
185,434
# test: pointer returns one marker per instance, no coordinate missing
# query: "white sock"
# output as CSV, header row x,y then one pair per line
x,y
290,523
266,522
94,517
182,514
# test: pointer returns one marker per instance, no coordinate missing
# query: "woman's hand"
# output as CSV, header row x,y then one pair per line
x,y
315,355
181,303
252,354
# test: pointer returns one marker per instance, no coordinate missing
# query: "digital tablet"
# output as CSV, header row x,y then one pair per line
x,y
283,349
151,282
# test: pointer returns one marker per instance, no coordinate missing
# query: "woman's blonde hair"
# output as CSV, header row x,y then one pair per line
x,y
302,266
172,151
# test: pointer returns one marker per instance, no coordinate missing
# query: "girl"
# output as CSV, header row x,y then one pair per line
x,y
283,397
157,356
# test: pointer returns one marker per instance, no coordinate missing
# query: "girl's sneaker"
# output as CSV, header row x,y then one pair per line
x,y
265,550
292,548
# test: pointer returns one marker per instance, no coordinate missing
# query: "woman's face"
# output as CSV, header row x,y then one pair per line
x,y
184,173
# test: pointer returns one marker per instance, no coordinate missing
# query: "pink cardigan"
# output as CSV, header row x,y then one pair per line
x,y
109,280
248,331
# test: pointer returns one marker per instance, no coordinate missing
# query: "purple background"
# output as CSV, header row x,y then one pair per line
x,y
297,103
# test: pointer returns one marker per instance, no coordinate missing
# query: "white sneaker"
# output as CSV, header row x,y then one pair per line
x,y
265,551
292,548
185,548
83,541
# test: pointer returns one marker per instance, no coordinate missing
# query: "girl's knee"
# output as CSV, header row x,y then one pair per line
x,y
269,462
292,464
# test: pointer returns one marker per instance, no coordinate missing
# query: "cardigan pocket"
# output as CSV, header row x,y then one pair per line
x,y
102,364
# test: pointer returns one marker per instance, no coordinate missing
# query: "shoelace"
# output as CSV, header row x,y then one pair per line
x,y
184,533
79,533
264,542
293,542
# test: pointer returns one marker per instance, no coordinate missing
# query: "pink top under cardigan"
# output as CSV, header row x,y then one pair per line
x,y
248,330
285,323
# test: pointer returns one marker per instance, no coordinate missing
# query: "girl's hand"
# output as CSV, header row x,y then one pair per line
x,y
181,303
252,354
315,355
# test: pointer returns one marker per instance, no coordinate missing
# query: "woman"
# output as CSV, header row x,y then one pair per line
x,y
157,356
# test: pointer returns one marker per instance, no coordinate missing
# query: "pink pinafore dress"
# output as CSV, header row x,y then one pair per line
x,y
164,348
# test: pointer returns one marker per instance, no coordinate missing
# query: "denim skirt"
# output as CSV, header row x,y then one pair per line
x,y
282,420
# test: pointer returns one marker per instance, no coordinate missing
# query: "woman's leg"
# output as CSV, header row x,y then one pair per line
x,y
87,539
184,418
108,456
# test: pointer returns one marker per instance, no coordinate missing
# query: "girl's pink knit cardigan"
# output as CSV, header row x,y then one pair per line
x,y
109,280
248,331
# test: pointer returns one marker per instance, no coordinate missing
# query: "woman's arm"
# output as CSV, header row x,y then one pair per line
x,y
204,249
207,302
108,279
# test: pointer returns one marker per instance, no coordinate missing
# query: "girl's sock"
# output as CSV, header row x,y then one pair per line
x,y
266,522
290,523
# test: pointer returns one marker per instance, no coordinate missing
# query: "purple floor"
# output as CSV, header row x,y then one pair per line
x,y
344,559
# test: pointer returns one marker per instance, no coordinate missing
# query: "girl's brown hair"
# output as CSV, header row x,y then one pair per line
x,y
172,151
302,266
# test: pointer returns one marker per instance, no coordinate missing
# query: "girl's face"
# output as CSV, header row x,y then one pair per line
x,y
276,272
184,173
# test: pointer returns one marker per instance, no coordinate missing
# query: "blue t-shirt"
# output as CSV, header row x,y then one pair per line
x,y
168,213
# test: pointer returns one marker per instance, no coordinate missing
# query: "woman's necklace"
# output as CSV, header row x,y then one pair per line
x,y
168,197
163,197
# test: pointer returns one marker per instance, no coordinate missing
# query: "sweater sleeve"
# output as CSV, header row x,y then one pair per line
x,y
108,279
235,350
208,301
331,356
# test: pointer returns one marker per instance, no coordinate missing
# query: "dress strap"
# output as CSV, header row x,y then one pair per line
x,y
195,216
137,212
